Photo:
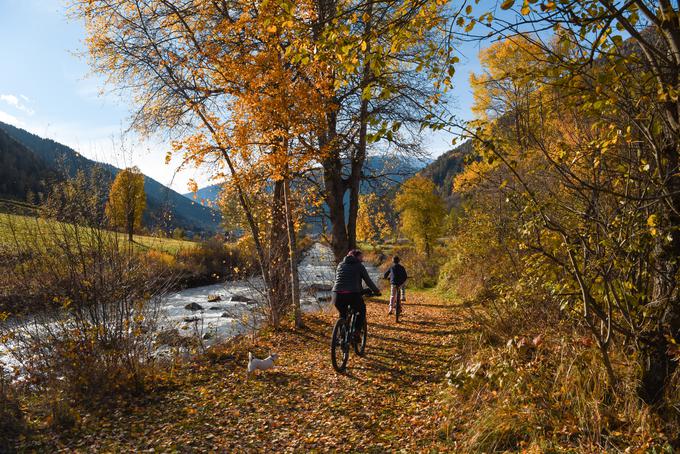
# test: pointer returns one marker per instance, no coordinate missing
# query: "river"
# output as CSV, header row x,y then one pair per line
x,y
238,308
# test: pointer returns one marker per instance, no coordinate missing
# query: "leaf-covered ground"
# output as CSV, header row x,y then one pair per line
x,y
390,400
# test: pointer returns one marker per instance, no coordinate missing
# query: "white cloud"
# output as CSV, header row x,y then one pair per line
x,y
10,99
14,102
11,119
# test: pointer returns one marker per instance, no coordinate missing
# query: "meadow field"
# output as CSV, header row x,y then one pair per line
x,y
15,230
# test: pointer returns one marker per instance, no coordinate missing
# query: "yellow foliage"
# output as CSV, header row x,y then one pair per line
x,y
127,200
421,211
509,68
372,223
161,257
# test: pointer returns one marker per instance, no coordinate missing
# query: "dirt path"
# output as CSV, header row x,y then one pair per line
x,y
389,400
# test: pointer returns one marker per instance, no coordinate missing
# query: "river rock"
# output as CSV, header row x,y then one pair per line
x,y
241,299
319,287
215,308
193,307
324,299
191,319
169,337
214,298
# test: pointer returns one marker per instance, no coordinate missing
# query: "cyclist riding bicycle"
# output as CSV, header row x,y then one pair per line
x,y
397,276
347,287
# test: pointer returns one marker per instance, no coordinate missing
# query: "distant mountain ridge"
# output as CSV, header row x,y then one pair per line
x,y
206,196
446,167
165,208
383,174
22,173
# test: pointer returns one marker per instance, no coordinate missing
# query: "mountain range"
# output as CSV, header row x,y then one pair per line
x,y
28,163
382,174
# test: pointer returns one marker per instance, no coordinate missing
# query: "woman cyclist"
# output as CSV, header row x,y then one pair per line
x,y
347,287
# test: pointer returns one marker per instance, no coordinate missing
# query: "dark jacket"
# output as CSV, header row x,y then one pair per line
x,y
397,274
349,274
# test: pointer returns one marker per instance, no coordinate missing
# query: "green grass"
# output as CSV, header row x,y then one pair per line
x,y
21,229
436,292
169,245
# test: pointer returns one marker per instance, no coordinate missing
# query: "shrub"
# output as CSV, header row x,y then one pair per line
x,y
160,258
550,398
93,336
95,303
513,396
214,260
11,417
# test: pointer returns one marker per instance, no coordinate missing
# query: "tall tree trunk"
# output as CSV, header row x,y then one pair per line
x,y
336,212
334,188
334,183
130,221
279,273
292,255
359,157
344,221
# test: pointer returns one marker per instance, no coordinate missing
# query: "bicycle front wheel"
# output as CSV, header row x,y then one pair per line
x,y
339,351
360,347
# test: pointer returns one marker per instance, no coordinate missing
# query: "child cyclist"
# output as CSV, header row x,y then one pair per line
x,y
397,276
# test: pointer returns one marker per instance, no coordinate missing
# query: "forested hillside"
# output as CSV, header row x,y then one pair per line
x,y
446,168
167,209
22,173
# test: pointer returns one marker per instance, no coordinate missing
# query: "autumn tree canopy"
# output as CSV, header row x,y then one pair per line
x,y
421,211
266,90
127,201
373,224
577,159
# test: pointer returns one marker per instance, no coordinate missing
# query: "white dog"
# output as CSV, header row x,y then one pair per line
x,y
261,364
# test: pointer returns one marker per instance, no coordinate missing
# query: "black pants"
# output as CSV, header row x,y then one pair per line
x,y
343,301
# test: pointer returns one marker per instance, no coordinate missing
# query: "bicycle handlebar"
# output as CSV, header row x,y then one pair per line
x,y
367,292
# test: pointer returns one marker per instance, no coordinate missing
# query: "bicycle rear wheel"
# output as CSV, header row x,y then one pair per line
x,y
339,351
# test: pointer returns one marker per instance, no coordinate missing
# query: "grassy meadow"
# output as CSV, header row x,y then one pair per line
x,y
17,229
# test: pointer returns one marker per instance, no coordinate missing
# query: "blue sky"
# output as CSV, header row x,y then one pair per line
x,y
46,88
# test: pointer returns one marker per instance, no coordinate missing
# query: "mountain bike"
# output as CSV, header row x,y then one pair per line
x,y
343,338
